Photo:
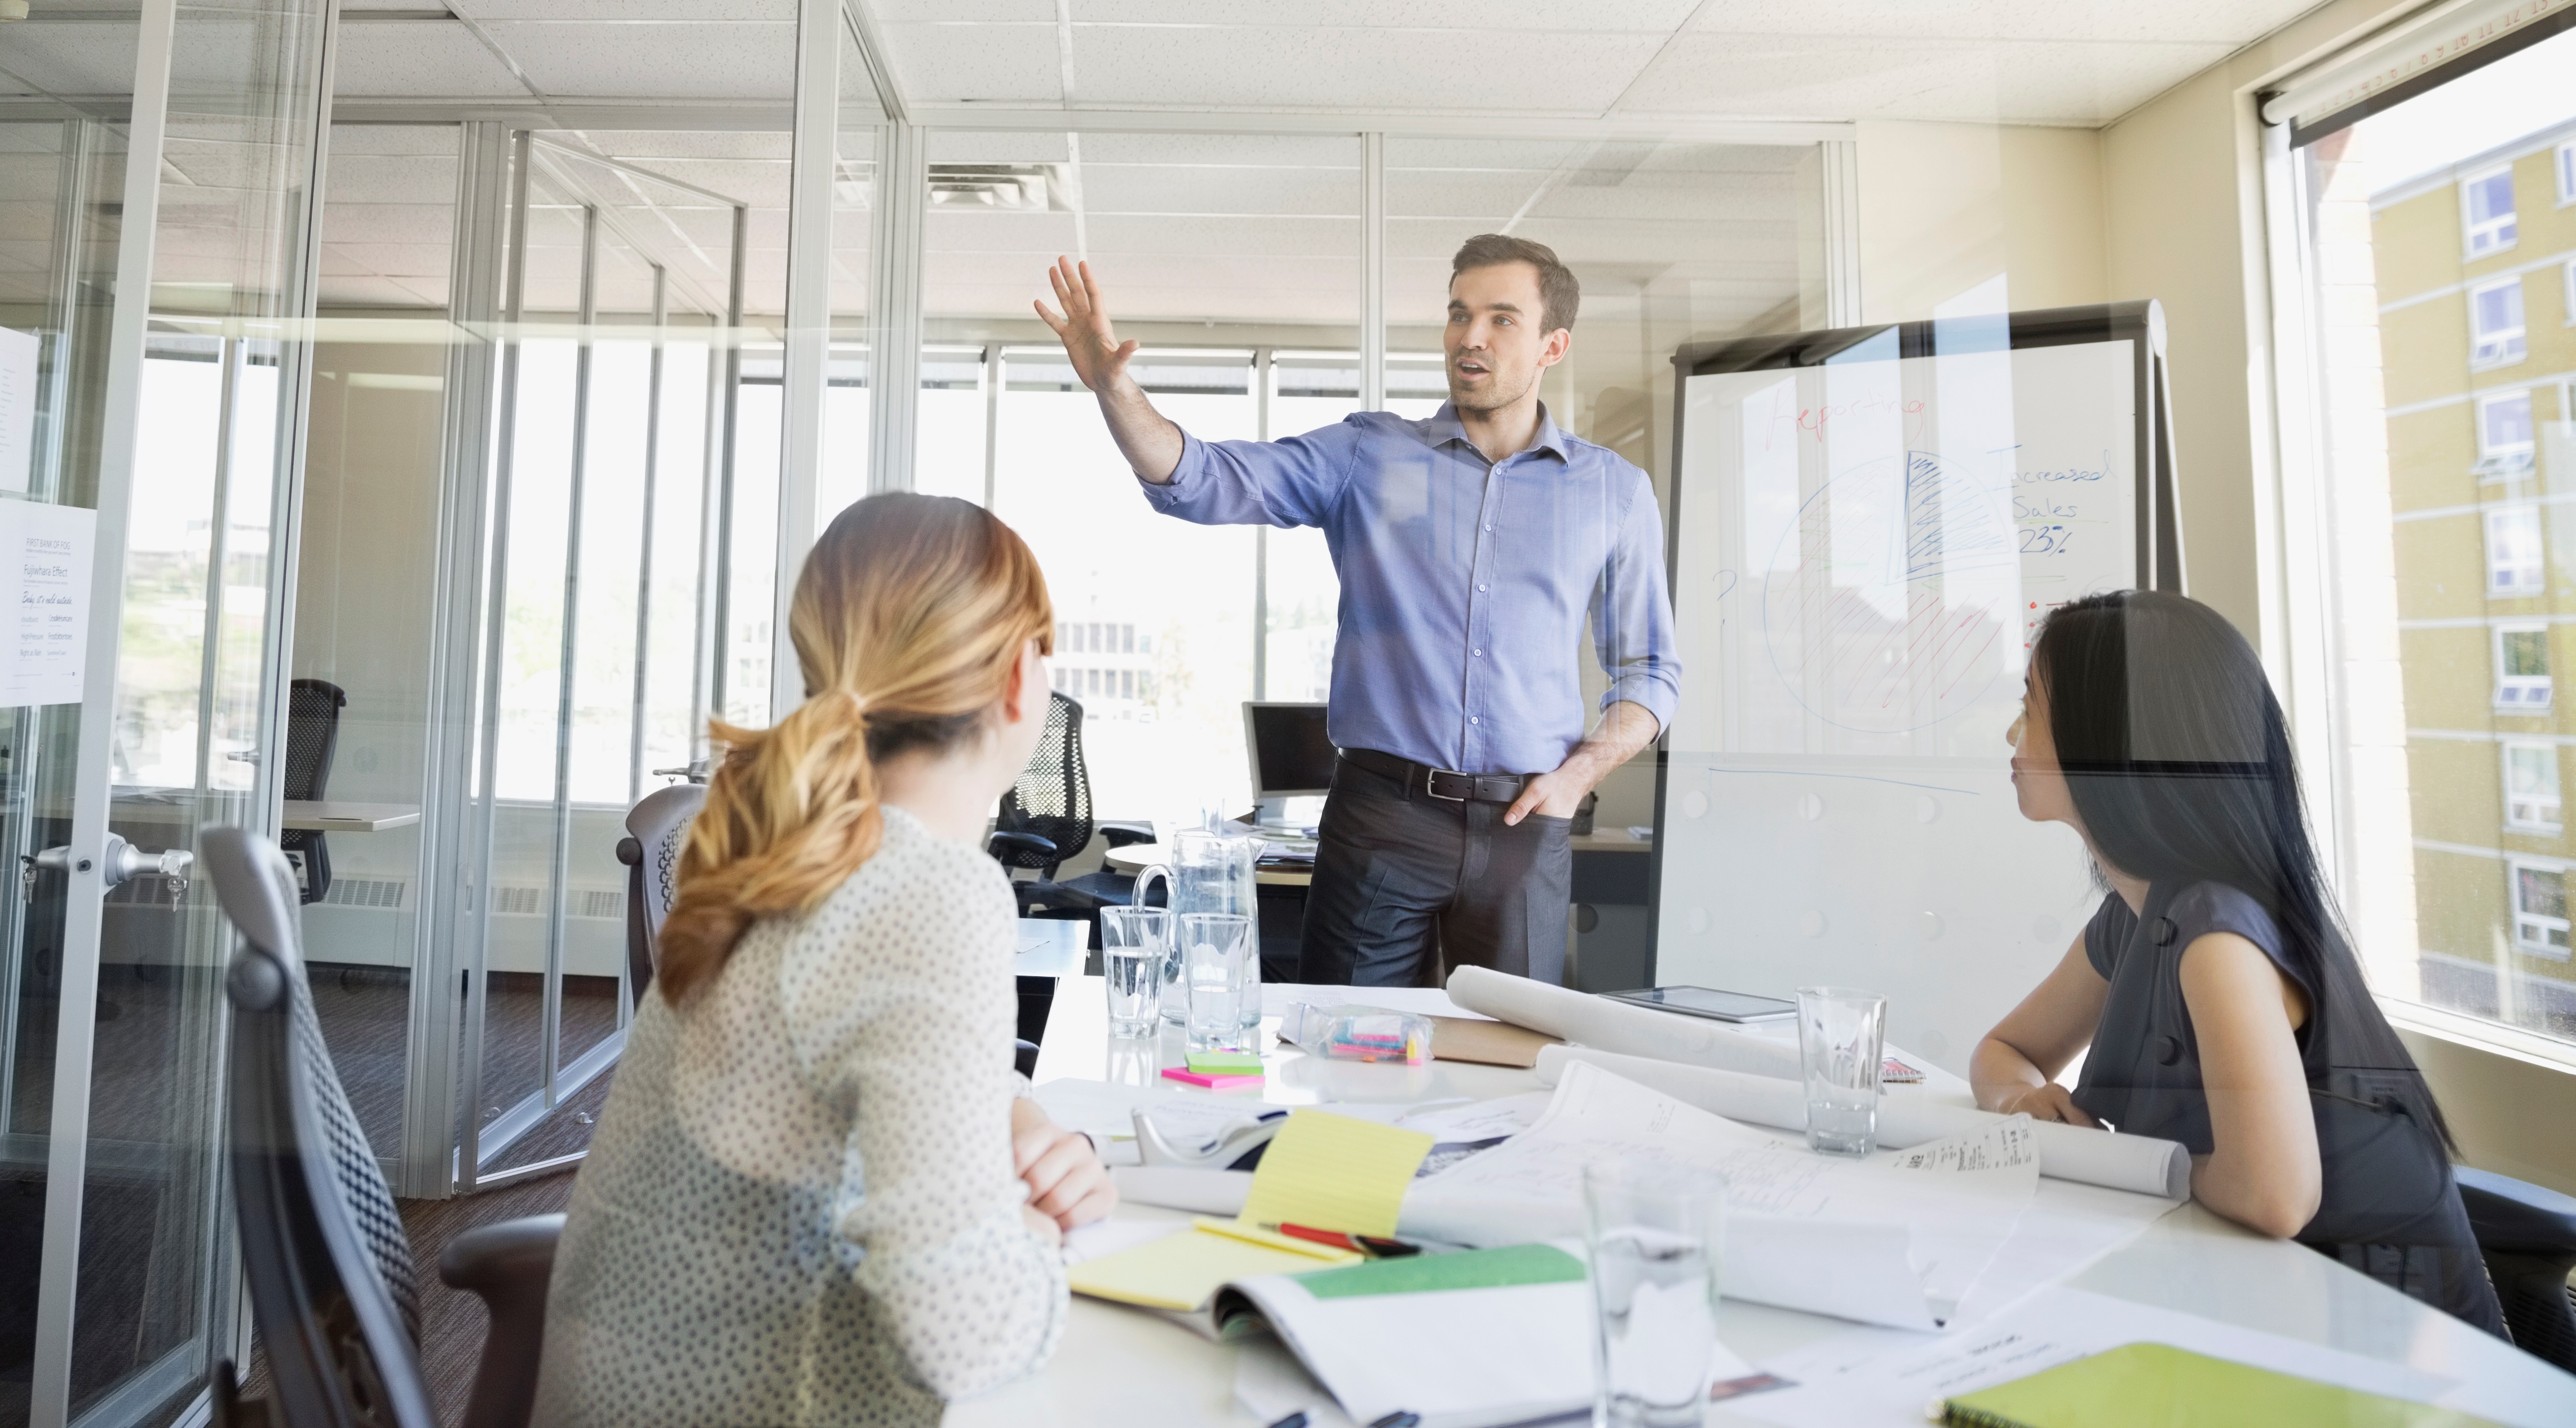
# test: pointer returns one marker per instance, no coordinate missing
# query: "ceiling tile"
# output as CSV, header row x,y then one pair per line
x,y
2045,82
418,61
392,139
384,222
748,60
1350,67
624,11
37,58
948,64
409,178
2232,22
965,12
1479,16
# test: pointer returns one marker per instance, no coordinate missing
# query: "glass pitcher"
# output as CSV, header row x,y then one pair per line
x,y
1207,871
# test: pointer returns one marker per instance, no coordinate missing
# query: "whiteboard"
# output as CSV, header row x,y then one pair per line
x,y
1862,553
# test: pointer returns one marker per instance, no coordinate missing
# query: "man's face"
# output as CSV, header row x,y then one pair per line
x,y
1495,345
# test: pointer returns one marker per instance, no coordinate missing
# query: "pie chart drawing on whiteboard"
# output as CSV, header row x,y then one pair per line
x,y
1890,601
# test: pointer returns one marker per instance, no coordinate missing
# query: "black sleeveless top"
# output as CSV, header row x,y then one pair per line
x,y
2389,1207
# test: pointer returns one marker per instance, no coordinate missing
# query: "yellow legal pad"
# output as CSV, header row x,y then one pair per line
x,y
1183,1272
2159,1386
1332,1172
1324,1171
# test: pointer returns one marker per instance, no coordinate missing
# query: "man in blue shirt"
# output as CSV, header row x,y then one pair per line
x,y
1472,548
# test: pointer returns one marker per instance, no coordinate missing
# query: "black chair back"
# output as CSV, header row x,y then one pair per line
x,y
329,1268
1052,799
312,737
657,828
2527,1235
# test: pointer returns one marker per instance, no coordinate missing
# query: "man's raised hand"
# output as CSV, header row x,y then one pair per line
x,y
1090,343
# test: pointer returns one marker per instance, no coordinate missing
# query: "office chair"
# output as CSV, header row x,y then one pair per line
x,y
1046,819
312,736
323,1251
2528,1237
657,828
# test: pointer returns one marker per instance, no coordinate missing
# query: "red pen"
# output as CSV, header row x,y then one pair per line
x,y
1374,1246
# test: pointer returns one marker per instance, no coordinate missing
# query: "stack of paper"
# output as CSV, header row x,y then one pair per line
x,y
1851,1238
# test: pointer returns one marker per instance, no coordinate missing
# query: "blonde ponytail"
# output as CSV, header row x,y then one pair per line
x,y
908,618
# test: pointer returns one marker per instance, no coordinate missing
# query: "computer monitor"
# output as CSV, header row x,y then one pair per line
x,y
1291,754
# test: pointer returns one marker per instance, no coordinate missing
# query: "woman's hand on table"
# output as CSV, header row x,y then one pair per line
x,y
2051,1102
1068,1186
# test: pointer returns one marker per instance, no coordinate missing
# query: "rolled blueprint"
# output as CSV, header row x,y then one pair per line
x,y
2119,1162
1630,1030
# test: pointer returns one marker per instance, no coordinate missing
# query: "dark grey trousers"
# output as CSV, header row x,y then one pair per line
x,y
1408,886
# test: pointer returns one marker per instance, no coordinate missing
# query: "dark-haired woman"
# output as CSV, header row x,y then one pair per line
x,y
813,1197
2222,1006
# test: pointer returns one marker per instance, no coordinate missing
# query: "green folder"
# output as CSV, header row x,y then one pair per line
x,y
2158,1386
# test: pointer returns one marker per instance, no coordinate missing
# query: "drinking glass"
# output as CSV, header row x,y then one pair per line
x,y
1842,1037
1135,943
1657,1235
1215,949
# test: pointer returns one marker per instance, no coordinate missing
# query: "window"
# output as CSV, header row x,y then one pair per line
x,y
2540,909
2449,816
2513,551
2487,202
2495,323
2522,669
2531,788
2504,436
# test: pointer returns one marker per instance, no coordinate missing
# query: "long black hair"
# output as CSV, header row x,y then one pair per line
x,y
2178,760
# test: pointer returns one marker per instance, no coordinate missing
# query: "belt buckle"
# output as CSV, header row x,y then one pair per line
x,y
1431,785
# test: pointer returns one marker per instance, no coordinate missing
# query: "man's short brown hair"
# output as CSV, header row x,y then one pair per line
x,y
1558,293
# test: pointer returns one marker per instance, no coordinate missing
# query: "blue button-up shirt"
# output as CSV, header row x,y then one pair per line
x,y
1465,583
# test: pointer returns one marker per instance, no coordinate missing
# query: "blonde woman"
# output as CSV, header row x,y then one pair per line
x,y
814,1196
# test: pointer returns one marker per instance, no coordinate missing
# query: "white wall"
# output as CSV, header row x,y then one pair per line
x,y
1946,207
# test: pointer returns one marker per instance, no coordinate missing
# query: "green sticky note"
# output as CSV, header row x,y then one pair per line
x,y
1422,1273
1225,1063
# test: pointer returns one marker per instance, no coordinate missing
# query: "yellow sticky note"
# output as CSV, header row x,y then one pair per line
x,y
1184,1271
1331,1172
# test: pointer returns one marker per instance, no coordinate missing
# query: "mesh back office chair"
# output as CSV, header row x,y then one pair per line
x,y
329,1268
657,827
312,736
2527,1236
1046,818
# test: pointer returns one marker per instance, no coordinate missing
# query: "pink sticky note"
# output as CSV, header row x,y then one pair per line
x,y
1214,1081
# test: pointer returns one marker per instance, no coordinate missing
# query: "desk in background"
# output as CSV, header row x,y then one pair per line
x,y
1608,949
1131,1367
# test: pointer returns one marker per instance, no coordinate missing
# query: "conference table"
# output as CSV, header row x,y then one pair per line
x,y
1127,1366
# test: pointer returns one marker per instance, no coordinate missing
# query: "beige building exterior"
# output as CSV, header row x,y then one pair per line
x,y
2475,274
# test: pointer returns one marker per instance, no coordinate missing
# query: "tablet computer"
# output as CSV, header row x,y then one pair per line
x,y
1710,1003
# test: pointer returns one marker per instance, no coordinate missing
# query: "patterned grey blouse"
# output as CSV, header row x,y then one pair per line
x,y
799,1205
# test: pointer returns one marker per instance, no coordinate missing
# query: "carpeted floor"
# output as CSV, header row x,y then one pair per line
x,y
451,1320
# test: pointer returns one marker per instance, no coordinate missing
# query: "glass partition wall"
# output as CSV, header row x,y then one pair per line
x,y
158,167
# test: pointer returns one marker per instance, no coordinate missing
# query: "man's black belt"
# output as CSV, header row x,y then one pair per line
x,y
1446,785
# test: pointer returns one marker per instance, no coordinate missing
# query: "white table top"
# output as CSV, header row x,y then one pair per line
x,y
1054,947
1127,1366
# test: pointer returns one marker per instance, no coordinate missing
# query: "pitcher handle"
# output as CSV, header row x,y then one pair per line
x,y
1157,870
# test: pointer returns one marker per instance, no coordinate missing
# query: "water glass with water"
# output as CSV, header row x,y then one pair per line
x,y
1135,944
1216,950
1842,1041
1657,1237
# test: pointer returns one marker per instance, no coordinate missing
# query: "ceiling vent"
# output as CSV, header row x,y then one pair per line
x,y
1025,188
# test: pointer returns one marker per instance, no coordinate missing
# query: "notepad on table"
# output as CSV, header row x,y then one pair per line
x,y
2159,1386
1322,1170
